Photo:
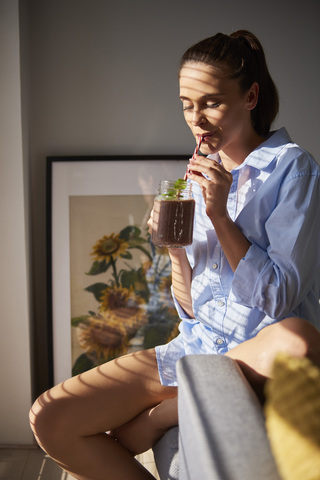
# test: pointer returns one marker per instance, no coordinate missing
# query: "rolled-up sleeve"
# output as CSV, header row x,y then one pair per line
x,y
277,273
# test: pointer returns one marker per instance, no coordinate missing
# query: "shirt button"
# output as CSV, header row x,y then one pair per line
x,y
215,266
220,303
219,341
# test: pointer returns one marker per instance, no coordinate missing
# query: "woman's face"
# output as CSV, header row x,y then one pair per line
x,y
214,107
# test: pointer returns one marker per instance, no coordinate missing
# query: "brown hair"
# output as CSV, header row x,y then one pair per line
x,y
242,58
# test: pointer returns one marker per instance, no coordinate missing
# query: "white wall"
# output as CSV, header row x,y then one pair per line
x,y
15,372
104,81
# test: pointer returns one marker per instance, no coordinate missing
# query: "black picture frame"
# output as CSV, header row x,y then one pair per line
x,y
71,177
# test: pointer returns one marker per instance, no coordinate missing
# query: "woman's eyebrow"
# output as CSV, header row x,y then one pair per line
x,y
217,94
207,95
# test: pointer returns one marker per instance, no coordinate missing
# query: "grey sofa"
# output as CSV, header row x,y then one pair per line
x,y
221,434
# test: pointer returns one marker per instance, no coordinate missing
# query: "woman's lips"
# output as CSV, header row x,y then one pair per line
x,y
204,136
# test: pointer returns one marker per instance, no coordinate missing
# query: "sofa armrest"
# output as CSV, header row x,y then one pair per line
x,y
221,424
166,455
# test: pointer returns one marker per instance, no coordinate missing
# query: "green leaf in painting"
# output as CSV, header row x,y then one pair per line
x,y
82,364
130,232
137,280
76,320
97,289
137,241
98,267
128,278
126,255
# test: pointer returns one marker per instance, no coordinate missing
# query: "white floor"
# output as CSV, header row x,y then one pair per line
x,y
34,464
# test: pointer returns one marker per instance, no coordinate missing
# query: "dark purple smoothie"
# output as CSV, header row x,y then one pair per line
x,y
172,224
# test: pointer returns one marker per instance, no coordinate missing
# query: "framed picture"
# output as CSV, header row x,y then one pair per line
x,y
108,285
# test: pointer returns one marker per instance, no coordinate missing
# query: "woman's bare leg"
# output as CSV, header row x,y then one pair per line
x,y
293,336
70,420
255,357
141,433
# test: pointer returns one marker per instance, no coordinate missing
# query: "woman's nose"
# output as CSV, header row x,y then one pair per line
x,y
197,118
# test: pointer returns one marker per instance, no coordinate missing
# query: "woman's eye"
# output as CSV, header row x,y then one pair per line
x,y
206,105
213,105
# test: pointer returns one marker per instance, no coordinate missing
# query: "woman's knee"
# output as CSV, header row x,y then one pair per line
x,y
46,419
39,420
306,335
294,336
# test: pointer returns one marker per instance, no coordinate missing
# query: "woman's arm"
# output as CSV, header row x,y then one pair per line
x,y
234,244
181,275
181,279
215,191
278,271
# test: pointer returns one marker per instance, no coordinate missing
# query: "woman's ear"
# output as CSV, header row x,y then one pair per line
x,y
252,96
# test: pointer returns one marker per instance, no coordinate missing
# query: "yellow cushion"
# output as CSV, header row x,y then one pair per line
x,y
292,413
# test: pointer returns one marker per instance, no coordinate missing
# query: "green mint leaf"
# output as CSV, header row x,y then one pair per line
x,y
180,184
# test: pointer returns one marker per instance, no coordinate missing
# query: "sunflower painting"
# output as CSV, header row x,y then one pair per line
x,y
120,282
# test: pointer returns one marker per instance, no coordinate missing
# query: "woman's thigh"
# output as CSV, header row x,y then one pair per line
x,y
101,399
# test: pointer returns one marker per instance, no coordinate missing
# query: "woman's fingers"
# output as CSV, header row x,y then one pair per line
x,y
211,168
215,182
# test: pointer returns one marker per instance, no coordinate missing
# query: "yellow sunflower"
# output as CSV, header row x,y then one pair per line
x,y
131,318
109,247
104,336
125,307
118,297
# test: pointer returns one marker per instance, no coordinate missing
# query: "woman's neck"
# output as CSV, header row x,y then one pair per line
x,y
233,157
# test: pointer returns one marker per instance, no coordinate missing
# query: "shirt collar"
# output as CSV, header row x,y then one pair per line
x,y
263,155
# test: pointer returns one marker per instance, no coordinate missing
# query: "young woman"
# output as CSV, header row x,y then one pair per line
x,y
251,272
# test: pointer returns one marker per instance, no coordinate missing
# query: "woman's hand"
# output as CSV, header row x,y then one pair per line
x,y
215,188
149,222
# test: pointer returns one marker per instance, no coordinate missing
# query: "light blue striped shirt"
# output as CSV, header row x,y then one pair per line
x,y
275,201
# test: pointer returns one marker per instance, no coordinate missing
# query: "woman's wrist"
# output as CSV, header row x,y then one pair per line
x,y
177,253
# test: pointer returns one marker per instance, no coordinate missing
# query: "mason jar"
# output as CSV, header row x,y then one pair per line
x,y
173,214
